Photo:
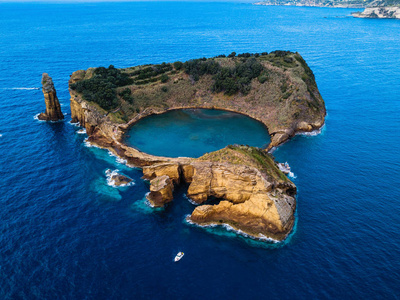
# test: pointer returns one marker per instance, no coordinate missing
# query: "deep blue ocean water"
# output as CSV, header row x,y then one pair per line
x,y
193,132
65,234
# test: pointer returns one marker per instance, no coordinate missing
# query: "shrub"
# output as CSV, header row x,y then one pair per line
x,y
101,88
262,78
164,78
178,65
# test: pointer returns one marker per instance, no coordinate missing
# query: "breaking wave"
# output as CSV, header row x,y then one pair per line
x,y
312,133
190,200
36,117
111,182
230,229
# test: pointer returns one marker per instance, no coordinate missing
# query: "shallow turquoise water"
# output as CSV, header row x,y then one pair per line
x,y
194,132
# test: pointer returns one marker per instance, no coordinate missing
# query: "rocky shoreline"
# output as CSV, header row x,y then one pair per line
x,y
388,12
256,197
311,4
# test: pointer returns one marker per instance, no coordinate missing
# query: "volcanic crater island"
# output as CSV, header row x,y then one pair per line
x,y
249,192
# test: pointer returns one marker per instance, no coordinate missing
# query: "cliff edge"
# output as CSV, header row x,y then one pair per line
x,y
388,12
276,88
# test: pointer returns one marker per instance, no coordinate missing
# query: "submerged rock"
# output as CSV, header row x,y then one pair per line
x,y
53,108
116,179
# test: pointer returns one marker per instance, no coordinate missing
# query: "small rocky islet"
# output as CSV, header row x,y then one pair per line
x,y
276,88
53,107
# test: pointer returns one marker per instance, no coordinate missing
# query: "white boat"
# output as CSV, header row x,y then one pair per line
x,y
179,256
285,168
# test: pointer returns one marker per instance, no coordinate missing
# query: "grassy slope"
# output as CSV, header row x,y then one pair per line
x,y
248,156
289,93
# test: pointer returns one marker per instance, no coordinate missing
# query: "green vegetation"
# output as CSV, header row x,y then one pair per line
x,y
101,88
278,79
248,156
230,80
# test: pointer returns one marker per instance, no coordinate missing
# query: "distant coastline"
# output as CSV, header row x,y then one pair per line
x,y
350,4
372,9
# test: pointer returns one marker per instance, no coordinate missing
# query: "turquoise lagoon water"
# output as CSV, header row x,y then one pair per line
x,y
66,234
195,132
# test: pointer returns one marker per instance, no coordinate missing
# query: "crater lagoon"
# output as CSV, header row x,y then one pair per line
x,y
194,132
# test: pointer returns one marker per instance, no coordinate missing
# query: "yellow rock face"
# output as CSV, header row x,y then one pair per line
x,y
53,108
161,189
251,204
170,170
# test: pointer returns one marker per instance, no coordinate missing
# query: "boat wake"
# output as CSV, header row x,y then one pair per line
x,y
22,88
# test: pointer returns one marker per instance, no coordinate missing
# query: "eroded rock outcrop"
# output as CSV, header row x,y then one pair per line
x,y
53,108
161,189
387,12
256,197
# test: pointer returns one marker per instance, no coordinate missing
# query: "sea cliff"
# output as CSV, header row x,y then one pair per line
x,y
53,107
278,89
280,92
390,12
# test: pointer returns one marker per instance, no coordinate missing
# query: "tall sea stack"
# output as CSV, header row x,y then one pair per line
x,y
53,108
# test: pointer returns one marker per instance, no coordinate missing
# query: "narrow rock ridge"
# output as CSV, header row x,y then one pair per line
x,y
53,108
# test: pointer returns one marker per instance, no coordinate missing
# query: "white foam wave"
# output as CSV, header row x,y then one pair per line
x,y
1,135
74,124
118,159
229,228
190,200
111,182
36,117
312,133
292,175
22,88
81,131
89,144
